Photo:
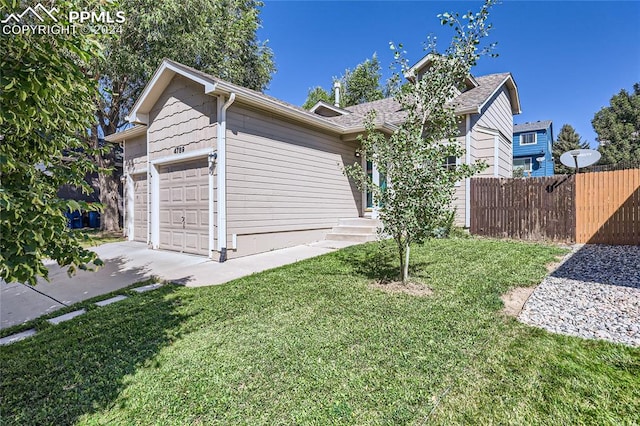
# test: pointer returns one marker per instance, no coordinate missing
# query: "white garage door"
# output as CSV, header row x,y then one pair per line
x,y
184,209
140,207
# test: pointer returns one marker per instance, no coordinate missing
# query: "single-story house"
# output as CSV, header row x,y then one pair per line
x,y
218,170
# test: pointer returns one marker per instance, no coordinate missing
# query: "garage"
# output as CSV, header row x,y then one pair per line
x,y
183,207
140,215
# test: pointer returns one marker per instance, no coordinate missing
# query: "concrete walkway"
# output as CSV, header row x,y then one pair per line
x,y
129,262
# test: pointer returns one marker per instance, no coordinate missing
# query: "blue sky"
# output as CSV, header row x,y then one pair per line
x,y
568,58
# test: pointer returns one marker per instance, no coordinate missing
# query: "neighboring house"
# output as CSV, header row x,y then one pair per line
x,y
533,148
219,170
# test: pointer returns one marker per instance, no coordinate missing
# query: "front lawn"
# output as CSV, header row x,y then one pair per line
x,y
312,343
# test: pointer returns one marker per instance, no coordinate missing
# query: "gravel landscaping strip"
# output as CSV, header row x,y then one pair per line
x,y
594,294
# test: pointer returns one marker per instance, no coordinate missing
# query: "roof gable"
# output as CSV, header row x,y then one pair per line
x,y
325,109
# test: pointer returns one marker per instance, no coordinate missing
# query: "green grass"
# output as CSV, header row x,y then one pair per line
x,y
97,237
312,343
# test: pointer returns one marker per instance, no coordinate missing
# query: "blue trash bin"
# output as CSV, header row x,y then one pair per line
x,y
94,219
74,219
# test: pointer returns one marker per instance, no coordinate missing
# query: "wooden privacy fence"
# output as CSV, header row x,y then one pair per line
x,y
608,207
597,208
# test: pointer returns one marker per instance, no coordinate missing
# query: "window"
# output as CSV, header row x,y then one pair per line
x,y
528,138
522,163
450,162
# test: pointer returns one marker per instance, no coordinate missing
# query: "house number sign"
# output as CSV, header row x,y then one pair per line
x,y
178,149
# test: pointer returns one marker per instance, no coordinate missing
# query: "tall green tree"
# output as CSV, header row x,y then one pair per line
x,y
363,83
360,85
46,106
568,139
618,127
315,95
417,200
218,37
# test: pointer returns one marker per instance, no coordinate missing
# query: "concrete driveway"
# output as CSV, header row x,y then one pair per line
x,y
129,262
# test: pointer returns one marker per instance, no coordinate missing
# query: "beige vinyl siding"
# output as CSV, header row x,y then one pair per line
x,y
497,114
183,116
284,182
459,198
135,164
505,158
135,154
484,150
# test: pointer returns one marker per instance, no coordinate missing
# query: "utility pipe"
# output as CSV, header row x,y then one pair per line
x,y
222,173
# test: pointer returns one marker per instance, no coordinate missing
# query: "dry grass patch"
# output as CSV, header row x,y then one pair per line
x,y
515,299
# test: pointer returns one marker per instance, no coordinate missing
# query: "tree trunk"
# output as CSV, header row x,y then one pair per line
x,y
401,255
109,198
108,178
405,267
109,193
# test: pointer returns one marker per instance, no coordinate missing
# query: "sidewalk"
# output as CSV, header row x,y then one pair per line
x,y
129,262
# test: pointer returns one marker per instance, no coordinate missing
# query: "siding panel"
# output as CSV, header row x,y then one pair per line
x,y
282,177
183,116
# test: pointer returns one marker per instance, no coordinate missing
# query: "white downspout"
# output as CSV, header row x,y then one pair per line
x,y
222,174
467,183
148,220
212,159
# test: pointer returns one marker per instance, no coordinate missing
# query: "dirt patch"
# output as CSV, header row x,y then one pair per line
x,y
551,267
394,287
514,300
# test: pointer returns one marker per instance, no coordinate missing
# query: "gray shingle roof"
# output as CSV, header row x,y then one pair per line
x,y
530,127
388,110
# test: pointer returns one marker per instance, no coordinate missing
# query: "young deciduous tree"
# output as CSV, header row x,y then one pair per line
x,y
618,127
568,139
417,199
46,106
217,37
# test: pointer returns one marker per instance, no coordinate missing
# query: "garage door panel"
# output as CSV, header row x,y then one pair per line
x,y
176,219
191,194
185,207
191,218
177,194
204,218
164,195
165,238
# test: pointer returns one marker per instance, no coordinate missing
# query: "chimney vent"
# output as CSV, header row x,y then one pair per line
x,y
336,91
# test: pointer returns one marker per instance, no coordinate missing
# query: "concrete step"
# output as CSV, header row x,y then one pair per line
x,y
356,238
355,229
358,221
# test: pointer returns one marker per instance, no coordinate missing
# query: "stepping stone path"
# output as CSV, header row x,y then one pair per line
x,y
66,317
110,301
17,337
70,315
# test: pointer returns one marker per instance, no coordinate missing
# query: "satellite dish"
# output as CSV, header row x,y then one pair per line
x,y
540,159
578,158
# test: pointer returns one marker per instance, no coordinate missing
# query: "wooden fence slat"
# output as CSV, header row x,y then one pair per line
x,y
593,207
